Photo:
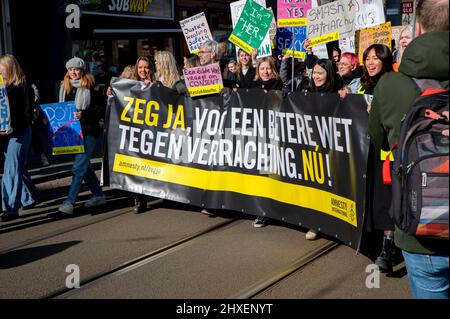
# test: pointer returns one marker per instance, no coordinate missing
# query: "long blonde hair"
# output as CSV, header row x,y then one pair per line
x,y
127,72
14,73
408,29
87,81
166,69
272,66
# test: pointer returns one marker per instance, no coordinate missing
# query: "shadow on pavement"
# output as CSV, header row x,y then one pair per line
x,y
24,256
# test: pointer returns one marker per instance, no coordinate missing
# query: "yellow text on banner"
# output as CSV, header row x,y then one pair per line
x,y
325,38
296,22
251,185
297,54
204,90
244,46
68,150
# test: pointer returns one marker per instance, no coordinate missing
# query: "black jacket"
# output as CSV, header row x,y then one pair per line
x,y
272,84
245,82
21,105
92,116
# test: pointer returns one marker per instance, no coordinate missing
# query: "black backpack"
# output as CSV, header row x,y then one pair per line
x,y
420,189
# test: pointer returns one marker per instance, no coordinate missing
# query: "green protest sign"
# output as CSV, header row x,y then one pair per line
x,y
252,27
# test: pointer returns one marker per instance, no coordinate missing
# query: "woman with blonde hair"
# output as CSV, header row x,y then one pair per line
x,y
404,39
77,86
166,69
266,76
15,191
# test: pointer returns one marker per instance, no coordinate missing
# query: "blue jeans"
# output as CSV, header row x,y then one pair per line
x,y
81,169
428,275
15,180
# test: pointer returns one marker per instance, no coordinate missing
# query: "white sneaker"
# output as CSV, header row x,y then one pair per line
x,y
66,208
311,234
95,201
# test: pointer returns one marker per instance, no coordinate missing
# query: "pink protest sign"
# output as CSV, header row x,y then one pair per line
x,y
292,13
203,80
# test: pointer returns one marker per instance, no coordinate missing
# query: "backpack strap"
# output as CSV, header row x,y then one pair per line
x,y
428,86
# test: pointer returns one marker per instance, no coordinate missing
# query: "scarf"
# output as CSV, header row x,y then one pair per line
x,y
82,95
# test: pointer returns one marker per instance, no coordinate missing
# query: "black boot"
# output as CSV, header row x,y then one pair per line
x,y
385,261
140,204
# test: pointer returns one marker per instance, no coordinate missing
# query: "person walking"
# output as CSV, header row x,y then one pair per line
x,y
77,86
426,57
15,180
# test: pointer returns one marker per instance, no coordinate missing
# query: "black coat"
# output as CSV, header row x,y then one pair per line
x,y
245,82
21,105
272,84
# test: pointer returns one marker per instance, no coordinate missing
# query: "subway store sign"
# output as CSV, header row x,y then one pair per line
x,y
152,9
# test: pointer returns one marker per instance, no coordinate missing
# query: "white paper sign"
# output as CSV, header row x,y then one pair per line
x,y
369,13
347,44
196,31
236,9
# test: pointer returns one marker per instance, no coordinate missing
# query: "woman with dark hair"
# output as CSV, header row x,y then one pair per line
x,y
143,70
324,78
377,62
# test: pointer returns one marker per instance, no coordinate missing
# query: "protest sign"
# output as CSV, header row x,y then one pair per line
x,y
5,117
395,33
66,136
285,44
369,13
379,34
292,13
203,80
252,27
321,51
338,16
273,27
347,44
300,159
196,31
265,49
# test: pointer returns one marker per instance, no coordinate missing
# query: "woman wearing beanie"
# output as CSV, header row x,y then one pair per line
x,y
77,86
15,179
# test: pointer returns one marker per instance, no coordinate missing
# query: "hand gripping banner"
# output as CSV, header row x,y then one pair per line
x,y
300,159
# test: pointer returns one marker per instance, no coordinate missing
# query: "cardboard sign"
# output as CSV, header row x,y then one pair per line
x,y
203,80
5,118
378,34
369,13
196,31
292,13
273,27
285,44
252,27
265,49
321,51
66,136
338,16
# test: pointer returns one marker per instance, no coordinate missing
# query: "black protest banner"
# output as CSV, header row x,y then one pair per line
x,y
300,159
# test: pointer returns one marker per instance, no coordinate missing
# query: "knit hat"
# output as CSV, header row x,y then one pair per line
x,y
75,63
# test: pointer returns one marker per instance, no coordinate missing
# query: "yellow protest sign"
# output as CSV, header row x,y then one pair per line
x,y
379,34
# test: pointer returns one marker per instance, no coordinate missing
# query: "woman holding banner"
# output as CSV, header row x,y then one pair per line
x,y
245,72
77,86
15,179
266,77
349,70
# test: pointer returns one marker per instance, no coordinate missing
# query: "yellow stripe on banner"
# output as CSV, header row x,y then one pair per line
x,y
251,185
244,46
296,22
297,54
383,155
325,38
204,90
68,150
1,80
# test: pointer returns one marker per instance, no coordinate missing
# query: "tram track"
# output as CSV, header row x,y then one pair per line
x,y
140,261
98,219
283,273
